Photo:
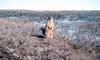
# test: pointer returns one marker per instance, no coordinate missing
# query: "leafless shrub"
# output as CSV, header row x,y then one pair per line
x,y
85,38
17,43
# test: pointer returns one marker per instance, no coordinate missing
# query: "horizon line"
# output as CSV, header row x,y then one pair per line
x,y
52,10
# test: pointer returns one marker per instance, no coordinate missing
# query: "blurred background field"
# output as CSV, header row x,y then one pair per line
x,y
76,35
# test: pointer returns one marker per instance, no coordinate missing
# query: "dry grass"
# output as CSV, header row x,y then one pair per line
x,y
18,42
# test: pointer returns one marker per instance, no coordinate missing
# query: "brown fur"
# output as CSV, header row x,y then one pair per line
x,y
49,28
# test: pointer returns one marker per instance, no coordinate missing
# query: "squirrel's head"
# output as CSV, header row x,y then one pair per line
x,y
50,18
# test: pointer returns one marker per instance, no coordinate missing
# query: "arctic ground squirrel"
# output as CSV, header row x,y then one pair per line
x,y
49,28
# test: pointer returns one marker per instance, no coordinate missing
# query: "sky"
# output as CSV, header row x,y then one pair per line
x,y
55,5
